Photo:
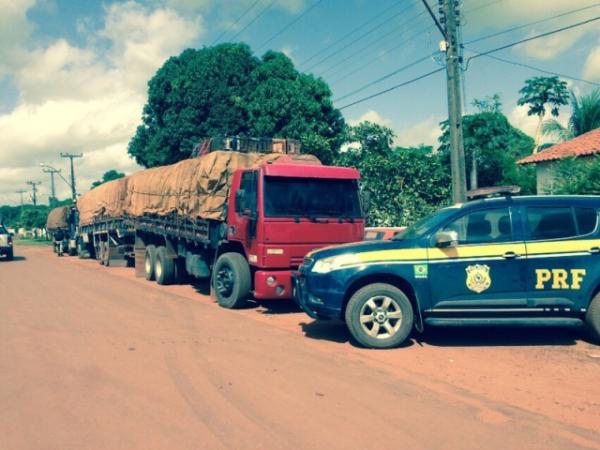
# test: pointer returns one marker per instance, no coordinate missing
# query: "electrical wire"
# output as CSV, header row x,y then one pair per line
x,y
383,78
385,91
362,36
528,66
261,13
236,22
549,33
526,25
290,24
366,47
351,32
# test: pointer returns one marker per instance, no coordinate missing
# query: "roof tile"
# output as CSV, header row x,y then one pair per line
x,y
586,144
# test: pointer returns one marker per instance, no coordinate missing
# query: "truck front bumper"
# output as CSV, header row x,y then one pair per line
x,y
271,284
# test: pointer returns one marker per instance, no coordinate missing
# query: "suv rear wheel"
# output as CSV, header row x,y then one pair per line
x,y
379,315
592,318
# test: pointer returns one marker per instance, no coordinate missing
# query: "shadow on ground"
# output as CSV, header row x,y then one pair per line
x,y
336,331
16,258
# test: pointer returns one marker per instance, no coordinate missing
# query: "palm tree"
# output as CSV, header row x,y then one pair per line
x,y
584,117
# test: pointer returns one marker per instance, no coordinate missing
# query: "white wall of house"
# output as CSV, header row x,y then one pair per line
x,y
545,177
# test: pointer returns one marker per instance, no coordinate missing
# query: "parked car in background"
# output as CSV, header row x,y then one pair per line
x,y
382,233
6,243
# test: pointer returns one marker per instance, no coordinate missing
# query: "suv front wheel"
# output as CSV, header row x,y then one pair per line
x,y
592,318
379,315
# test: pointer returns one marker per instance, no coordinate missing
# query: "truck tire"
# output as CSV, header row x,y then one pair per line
x,y
100,253
149,261
180,271
592,318
10,255
231,280
164,267
105,254
379,315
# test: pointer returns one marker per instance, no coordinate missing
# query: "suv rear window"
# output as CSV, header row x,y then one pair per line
x,y
560,222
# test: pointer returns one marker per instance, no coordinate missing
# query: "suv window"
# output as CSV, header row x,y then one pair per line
x,y
492,225
560,222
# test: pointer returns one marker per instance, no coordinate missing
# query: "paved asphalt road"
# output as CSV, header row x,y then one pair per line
x,y
93,358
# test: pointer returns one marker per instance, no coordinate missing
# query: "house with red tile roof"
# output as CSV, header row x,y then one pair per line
x,y
546,162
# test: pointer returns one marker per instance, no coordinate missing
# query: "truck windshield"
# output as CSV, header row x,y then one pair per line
x,y
311,198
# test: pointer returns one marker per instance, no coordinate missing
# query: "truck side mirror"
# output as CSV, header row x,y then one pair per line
x,y
365,197
240,200
446,238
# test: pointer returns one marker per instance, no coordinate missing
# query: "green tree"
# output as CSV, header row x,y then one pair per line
x,y
492,147
406,183
585,116
226,90
578,176
108,176
539,92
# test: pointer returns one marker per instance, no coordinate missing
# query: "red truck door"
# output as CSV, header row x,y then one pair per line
x,y
243,221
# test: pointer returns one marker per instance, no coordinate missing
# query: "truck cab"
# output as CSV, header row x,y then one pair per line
x,y
279,212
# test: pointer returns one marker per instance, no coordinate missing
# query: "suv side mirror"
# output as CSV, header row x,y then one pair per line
x,y
446,238
240,200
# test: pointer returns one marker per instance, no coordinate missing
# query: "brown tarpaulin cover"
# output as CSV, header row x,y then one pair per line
x,y
194,187
58,218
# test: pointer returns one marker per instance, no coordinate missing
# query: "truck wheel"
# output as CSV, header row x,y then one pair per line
x,y
149,261
231,280
592,318
379,315
106,254
10,255
164,267
180,271
100,253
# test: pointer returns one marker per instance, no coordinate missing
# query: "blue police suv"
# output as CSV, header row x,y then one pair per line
x,y
530,260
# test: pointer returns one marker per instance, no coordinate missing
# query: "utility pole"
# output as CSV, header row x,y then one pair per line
x,y
51,171
71,156
34,185
450,18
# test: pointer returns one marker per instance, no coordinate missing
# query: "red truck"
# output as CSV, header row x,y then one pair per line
x,y
273,213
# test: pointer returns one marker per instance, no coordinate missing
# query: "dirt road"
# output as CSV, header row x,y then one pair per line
x,y
93,358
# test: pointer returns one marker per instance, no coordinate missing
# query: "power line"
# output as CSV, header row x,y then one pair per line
x,y
526,25
435,20
366,64
528,66
254,19
395,30
385,91
362,36
383,78
236,22
351,32
549,33
289,25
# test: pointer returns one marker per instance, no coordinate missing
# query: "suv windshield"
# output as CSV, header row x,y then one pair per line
x,y
427,223
311,197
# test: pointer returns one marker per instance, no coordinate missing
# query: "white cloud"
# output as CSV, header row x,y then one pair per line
x,y
550,47
591,69
426,132
528,124
14,31
373,117
88,99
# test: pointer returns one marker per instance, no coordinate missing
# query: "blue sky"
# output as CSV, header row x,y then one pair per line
x,y
73,74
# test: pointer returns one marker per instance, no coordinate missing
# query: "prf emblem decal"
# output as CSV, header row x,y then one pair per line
x,y
478,278
421,271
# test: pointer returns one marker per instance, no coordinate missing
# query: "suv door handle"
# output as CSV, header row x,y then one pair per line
x,y
594,250
510,255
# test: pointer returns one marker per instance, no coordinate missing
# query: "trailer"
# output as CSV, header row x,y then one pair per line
x,y
244,221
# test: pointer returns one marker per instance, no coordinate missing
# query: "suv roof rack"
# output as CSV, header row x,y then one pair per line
x,y
492,192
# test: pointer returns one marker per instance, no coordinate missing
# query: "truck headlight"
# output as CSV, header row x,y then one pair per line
x,y
326,265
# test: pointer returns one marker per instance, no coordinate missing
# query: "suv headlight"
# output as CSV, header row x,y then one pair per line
x,y
326,265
